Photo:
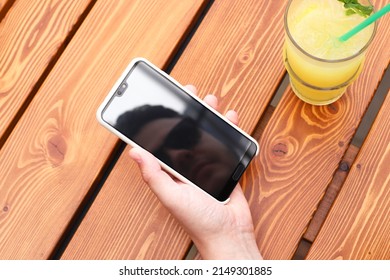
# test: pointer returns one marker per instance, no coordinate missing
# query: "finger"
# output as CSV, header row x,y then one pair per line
x,y
238,199
211,100
237,193
192,88
157,179
232,116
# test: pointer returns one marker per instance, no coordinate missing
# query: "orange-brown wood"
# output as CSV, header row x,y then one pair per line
x,y
236,55
57,150
256,134
358,226
2,4
227,56
331,193
127,222
259,129
300,150
5,5
31,34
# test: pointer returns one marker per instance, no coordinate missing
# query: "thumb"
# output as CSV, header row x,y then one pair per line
x,y
157,179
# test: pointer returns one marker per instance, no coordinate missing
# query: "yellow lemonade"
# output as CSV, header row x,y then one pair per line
x,y
319,65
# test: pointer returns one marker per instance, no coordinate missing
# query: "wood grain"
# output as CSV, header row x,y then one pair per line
x,y
358,226
236,55
57,150
229,62
2,4
326,202
256,134
127,223
331,193
300,150
5,6
30,36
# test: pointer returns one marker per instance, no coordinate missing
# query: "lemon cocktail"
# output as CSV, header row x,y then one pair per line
x,y
320,66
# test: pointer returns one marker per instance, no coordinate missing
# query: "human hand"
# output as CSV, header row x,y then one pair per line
x,y
219,231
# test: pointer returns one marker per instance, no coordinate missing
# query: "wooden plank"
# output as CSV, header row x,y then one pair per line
x,y
57,150
5,6
259,129
328,199
358,226
326,203
300,150
229,62
134,223
32,34
256,134
261,125
237,57
331,193
2,4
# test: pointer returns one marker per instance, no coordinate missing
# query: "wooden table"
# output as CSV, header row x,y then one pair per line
x,y
68,189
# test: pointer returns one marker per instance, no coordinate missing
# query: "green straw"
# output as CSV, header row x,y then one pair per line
x,y
365,23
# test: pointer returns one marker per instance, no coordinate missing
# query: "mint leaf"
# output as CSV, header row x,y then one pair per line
x,y
350,12
354,7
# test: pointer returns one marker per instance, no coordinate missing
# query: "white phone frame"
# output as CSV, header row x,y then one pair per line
x,y
133,144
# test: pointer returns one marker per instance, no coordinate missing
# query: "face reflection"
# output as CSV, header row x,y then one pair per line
x,y
194,153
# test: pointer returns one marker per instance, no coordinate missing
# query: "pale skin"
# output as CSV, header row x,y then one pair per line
x,y
219,231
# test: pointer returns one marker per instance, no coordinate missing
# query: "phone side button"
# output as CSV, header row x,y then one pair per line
x,y
239,170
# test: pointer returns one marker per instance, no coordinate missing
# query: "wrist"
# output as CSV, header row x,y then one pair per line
x,y
231,246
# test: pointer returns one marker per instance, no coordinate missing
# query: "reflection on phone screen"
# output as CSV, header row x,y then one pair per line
x,y
160,117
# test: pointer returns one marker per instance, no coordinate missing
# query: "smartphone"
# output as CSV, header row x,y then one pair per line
x,y
193,142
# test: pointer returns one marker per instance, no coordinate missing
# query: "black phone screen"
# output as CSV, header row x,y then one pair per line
x,y
159,116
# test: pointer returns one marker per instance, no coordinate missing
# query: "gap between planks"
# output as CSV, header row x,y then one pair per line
x,y
193,253
5,6
342,172
326,202
120,146
46,72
